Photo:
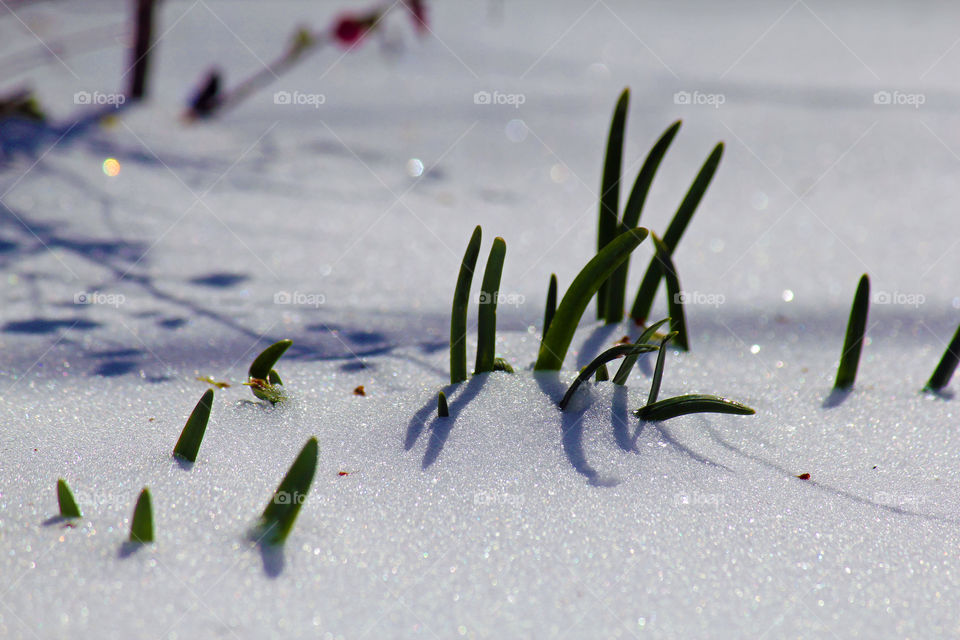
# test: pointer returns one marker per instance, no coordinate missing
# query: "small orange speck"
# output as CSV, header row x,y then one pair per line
x,y
623,340
343,473
150,419
360,391
803,476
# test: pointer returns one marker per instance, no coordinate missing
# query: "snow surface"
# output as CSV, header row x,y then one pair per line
x,y
511,519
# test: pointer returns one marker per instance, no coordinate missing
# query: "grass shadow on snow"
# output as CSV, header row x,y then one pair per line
x,y
835,398
459,396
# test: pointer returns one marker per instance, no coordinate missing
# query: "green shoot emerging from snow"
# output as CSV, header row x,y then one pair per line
x,y
610,188
695,403
948,364
551,306
853,343
264,381
458,312
443,411
556,341
678,321
281,512
651,279
192,435
487,316
658,369
141,529
68,506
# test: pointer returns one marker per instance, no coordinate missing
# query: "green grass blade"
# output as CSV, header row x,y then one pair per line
x,y
487,315
658,369
261,366
551,307
553,347
192,435
627,365
281,512
68,506
458,313
605,357
617,285
443,410
853,343
274,378
610,186
948,364
678,320
602,373
694,403
651,279
141,528
500,364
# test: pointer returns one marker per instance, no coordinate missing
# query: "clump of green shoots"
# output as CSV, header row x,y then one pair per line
x,y
612,353
264,381
281,512
141,527
948,364
192,435
853,343
68,506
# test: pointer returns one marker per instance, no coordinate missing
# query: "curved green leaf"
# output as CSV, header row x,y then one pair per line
x,y
68,506
627,365
610,354
487,315
261,366
853,342
192,435
948,364
281,512
694,403
610,186
458,312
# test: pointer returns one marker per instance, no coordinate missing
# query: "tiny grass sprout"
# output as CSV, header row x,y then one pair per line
x,y
192,435
141,528
264,381
694,403
853,343
610,187
487,315
678,321
658,369
500,364
651,279
617,285
68,506
627,365
556,341
551,306
948,364
443,410
458,312
610,354
281,512
602,374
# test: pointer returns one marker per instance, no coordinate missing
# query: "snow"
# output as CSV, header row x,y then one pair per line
x,y
509,519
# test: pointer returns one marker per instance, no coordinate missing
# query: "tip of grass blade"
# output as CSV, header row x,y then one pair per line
x,y
443,411
263,363
948,364
68,505
281,512
693,403
853,342
192,435
627,365
658,369
487,316
458,311
551,306
141,528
